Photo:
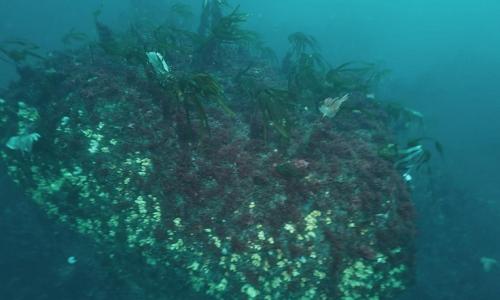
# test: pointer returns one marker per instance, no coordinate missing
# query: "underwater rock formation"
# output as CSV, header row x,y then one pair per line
x,y
207,197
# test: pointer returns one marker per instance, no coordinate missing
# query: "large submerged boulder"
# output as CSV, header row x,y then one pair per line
x,y
320,215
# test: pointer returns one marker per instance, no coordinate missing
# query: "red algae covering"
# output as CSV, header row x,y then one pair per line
x,y
234,215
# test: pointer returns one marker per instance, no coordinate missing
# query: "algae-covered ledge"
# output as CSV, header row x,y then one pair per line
x,y
200,156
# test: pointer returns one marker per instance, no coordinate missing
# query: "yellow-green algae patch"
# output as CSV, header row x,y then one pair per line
x,y
362,279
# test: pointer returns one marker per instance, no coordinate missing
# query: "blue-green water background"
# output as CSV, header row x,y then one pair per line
x,y
445,61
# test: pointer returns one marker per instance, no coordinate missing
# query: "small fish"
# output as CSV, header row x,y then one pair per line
x,y
24,142
331,106
488,263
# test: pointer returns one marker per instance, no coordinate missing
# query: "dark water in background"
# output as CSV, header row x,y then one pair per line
x,y
445,62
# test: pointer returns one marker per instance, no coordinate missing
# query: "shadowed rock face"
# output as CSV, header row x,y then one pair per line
x,y
235,216
34,258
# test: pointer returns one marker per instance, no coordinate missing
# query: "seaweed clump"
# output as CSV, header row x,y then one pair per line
x,y
218,176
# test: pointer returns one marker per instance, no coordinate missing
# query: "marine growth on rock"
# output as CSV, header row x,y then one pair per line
x,y
217,177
